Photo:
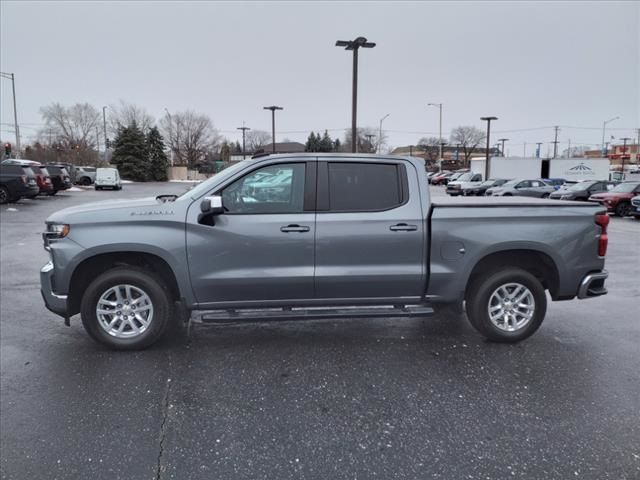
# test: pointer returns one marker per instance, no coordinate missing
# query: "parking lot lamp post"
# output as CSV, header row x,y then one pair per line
x,y
244,131
487,160
273,109
439,105
380,133
354,45
604,127
12,77
104,127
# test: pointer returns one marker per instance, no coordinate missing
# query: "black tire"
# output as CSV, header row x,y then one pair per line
x,y
141,279
85,181
97,187
508,194
622,209
52,193
4,195
479,297
546,195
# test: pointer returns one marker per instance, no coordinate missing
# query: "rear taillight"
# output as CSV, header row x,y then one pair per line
x,y
602,220
24,179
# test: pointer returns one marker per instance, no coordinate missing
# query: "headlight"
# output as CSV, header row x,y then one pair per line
x,y
58,230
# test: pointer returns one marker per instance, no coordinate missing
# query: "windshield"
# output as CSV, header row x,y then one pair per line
x,y
625,187
581,186
465,177
205,186
511,183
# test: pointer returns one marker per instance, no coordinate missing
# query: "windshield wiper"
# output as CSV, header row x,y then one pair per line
x,y
167,198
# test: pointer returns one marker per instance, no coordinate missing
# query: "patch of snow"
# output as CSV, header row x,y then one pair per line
x,y
12,210
75,189
185,181
127,181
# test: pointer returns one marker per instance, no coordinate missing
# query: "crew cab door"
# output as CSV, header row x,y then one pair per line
x,y
370,239
261,248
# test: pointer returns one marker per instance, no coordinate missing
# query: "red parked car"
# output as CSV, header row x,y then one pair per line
x,y
438,178
43,179
618,199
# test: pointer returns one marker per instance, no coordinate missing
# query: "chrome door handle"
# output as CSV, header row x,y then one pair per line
x,y
403,227
294,228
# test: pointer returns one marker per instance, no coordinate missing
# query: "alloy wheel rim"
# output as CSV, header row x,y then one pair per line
x,y
511,307
124,311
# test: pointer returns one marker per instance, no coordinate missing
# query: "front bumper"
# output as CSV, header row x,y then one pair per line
x,y
592,285
54,302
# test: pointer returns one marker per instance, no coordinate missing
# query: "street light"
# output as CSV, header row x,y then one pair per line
x,y
486,163
503,140
439,105
12,77
380,133
354,45
604,126
244,131
273,109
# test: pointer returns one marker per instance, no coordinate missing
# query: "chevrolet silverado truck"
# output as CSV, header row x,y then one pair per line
x,y
305,236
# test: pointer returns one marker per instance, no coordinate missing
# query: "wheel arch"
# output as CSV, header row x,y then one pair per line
x,y
92,266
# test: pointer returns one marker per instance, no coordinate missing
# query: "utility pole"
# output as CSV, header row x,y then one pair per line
x,y
502,140
411,150
555,142
604,126
487,160
380,133
524,150
244,130
569,150
273,109
354,45
457,152
538,145
12,77
439,105
98,143
624,149
104,126
369,137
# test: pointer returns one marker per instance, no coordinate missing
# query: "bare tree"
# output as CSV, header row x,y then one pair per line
x,y
431,147
190,137
256,139
367,139
124,114
468,138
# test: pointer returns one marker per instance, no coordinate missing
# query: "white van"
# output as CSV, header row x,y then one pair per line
x,y
108,178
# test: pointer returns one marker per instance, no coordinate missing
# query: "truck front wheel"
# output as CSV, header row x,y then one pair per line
x,y
126,309
506,306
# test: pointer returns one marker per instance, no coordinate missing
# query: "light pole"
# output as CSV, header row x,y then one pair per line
x,y
12,77
244,131
354,45
538,144
177,144
604,126
624,149
487,161
104,126
503,140
439,105
273,109
380,133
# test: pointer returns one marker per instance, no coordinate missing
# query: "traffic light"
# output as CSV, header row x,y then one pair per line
x,y
7,149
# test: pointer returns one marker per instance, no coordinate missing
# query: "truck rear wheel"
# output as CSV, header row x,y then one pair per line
x,y
506,306
126,309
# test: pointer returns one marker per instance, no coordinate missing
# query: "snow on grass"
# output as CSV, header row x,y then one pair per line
x,y
75,189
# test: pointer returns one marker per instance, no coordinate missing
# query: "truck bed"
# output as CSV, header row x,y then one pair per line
x,y
505,202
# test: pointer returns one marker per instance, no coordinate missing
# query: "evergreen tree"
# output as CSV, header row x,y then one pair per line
x,y
325,144
337,145
130,154
158,161
312,143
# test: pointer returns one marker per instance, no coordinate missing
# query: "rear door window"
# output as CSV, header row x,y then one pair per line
x,y
361,187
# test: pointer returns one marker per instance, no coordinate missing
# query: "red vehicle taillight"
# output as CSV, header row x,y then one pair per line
x,y
602,219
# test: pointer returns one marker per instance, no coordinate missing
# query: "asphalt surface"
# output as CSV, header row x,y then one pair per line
x,y
357,399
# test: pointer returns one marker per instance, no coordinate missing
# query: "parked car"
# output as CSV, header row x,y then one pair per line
x,y
59,178
635,207
479,188
582,190
438,178
356,230
455,176
618,199
108,178
15,183
43,179
79,174
454,187
522,188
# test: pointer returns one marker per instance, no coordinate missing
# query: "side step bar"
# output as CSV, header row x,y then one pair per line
x,y
220,317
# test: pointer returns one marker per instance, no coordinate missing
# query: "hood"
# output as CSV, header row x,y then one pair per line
x,y
64,215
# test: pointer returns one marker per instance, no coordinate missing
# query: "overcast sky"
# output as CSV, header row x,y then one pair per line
x,y
532,64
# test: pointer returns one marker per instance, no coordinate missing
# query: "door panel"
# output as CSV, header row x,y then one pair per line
x,y
368,253
262,249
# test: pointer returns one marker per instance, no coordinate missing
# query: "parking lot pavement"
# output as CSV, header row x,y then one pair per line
x,y
328,399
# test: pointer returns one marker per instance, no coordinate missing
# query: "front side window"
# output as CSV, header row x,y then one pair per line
x,y
357,187
272,189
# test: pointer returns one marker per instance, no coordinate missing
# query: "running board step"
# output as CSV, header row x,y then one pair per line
x,y
264,315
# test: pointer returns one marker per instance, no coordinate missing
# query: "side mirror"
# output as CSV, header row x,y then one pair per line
x,y
212,205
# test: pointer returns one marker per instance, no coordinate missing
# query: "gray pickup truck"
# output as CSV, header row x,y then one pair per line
x,y
318,236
